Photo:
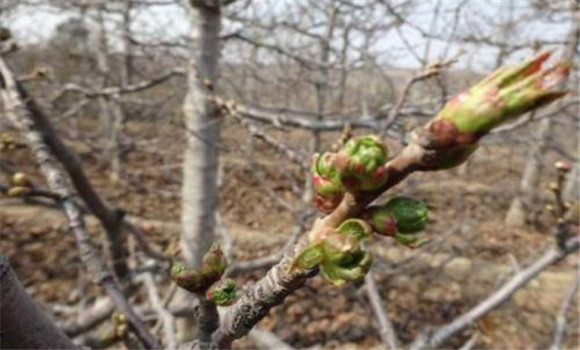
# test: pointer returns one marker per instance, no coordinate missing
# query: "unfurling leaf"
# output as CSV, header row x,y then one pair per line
x,y
355,228
310,257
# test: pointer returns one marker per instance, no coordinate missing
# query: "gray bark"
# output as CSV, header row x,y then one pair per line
x,y
201,159
23,325
203,125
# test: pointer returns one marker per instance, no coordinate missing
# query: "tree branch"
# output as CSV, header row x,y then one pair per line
x,y
23,325
17,108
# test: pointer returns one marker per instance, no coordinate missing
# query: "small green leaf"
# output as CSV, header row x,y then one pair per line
x,y
310,257
355,228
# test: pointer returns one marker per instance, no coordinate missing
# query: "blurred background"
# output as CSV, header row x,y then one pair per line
x,y
111,77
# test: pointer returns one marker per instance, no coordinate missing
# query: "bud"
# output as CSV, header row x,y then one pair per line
x,y
187,278
18,191
505,94
222,293
214,263
20,179
360,163
399,215
327,186
563,166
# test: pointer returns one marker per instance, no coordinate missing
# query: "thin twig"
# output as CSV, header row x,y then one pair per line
x,y
385,327
567,300
166,317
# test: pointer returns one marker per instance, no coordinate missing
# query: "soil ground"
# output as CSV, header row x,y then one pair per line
x,y
477,254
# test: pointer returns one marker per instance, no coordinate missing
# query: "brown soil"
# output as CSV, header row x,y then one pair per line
x,y
44,256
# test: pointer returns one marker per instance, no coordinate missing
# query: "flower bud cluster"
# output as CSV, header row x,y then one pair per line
x,y
358,166
207,280
338,252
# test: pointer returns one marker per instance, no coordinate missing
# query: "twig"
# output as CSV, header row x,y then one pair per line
x,y
117,90
294,155
268,340
428,72
567,300
470,343
166,318
385,327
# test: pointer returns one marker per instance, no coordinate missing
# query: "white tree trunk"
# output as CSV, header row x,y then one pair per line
x,y
203,124
201,159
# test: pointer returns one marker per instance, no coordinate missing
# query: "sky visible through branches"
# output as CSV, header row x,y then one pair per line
x,y
434,29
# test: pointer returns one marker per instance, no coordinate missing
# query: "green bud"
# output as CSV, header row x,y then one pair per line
x,y
504,95
187,278
327,186
214,263
18,191
399,215
223,293
360,163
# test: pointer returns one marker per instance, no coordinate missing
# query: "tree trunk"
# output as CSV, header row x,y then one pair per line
x,y
23,325
203,124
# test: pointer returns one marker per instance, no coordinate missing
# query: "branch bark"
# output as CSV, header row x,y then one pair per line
x,y
23,325
24,114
